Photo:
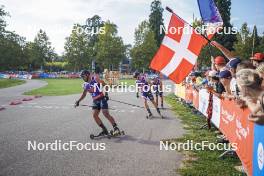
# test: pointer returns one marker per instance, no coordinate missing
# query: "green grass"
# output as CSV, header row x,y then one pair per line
x,y
206,162
127,82
4,83
57,87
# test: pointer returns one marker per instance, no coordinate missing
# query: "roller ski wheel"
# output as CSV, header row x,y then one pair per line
x,y
149,116
161,116
91,136
118,133
100,135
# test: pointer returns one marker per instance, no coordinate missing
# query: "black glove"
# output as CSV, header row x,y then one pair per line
x,y
137,95
106,96
76,104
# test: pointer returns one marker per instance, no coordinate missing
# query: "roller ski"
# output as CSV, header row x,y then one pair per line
x,y
149,116
161,116
103,134
116,132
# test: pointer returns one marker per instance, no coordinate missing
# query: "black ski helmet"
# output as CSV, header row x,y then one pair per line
x,y
85,72
136,74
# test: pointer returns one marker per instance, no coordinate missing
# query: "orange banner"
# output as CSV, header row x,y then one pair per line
x,y
235,125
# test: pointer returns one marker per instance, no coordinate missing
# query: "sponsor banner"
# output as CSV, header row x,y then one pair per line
x,y
216,111
258,154
203,101
24,76
18,76
5,76
180,91
53,75
195,98
238,129
189,93
233,123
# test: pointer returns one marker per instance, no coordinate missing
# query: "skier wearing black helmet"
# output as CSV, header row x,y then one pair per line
x,y
92,85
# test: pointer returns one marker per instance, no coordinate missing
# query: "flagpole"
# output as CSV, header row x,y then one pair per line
x,y
171,11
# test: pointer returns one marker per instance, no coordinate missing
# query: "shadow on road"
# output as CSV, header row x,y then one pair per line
x,y
133,139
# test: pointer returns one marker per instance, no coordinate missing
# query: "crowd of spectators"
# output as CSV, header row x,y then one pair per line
x,y
240,79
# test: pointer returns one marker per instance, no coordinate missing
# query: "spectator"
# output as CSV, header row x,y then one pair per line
x,y
214,84
249,83
225,51
225,78
245,64
232,66
218,63
257,59
260,70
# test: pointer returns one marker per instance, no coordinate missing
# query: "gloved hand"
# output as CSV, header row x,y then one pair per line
x,y
106,96
77,103
137,95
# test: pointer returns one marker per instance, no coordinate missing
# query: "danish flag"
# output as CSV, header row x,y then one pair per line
x,y
179,50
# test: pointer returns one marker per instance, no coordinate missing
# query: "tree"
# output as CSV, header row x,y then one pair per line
x,y
248,43
11,46
16,54
11,53
39,51
228,39
80,46
256,41
3,14
244,44
77,50
42,41
144,48
156,21
110,47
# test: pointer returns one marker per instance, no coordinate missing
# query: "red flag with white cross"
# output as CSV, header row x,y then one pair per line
x,y
179,50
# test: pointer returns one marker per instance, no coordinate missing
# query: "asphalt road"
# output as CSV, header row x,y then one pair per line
x,y
48,119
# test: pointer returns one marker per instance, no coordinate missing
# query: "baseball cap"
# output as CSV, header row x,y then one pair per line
x,y
258,57
213,73
219,60
204,81
225,74
233,62
194,74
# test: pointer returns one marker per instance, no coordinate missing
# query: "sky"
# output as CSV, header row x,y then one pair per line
x,y
57,17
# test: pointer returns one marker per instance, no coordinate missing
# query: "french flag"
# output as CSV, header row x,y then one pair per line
x,y
210,16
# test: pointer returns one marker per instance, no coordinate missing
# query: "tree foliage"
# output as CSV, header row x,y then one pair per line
x,y
144,48
110,48
17,54
156,20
